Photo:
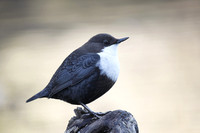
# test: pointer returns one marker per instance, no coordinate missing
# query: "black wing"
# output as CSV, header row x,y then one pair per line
x,y
72,71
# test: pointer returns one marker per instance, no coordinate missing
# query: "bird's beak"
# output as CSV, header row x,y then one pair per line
x,y
122,39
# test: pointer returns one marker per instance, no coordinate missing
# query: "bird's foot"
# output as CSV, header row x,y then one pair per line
x,y
101,114
96,114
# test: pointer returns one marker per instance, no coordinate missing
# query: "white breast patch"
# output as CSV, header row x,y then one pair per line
x,y
109,63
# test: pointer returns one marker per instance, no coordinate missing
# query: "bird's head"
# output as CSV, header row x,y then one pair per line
x,y
100,42
106,40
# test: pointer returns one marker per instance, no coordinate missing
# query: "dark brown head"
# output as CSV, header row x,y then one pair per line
x,y
98,42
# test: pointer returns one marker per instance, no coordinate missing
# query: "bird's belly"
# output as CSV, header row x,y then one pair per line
x,y
87,90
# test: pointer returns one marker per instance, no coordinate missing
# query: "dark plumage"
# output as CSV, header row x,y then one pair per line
x,y
81,78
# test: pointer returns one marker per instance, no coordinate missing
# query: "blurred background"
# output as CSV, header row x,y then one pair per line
x,y
160,62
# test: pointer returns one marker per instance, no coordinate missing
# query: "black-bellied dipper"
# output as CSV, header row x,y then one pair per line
x,y
86,74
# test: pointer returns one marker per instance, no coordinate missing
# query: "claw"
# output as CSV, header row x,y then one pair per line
x,y
90,111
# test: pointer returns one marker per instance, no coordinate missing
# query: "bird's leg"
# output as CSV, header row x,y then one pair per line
x,y
89,110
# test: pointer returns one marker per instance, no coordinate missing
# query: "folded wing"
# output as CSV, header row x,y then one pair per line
x,y
72,71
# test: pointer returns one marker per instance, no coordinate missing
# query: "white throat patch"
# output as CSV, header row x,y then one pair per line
x,y
109,63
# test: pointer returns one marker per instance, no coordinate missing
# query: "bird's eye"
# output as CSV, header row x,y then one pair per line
x,y
106,42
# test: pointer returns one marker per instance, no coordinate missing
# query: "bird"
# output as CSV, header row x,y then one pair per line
x,y
86,74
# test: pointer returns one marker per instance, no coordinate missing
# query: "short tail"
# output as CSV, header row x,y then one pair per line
x,y
43,93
